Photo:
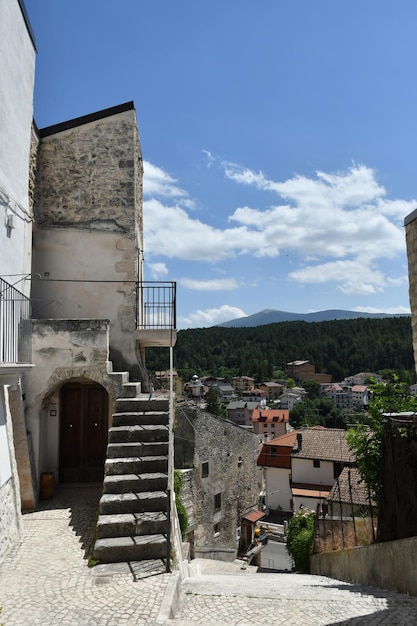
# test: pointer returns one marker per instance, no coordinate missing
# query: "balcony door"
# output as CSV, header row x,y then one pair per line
x,y
83,432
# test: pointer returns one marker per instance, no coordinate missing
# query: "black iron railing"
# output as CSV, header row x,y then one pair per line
x,y
15,325
156,305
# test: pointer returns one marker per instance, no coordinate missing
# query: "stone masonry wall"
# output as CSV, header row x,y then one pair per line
x,y
9,524
10,504
232,473
87,176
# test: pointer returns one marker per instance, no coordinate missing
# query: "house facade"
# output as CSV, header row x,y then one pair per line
x,y
17,70
240,412
76,315
221,481
243,383
302,467
270,423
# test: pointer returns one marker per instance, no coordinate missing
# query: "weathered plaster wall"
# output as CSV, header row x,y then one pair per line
x,y
63,350
88,275
230,453
390,565
88,243
17,70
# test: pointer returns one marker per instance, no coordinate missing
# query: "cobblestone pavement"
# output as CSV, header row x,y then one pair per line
x,y
255,599
46,581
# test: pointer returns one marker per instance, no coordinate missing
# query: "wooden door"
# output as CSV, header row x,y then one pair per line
x,y
83,432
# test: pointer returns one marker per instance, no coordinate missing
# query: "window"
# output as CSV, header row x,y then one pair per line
x,y
217,501
316,463
205,469
273,451
337,469
216,529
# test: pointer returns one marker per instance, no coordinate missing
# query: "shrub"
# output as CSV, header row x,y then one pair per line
x,y
300,539
181,510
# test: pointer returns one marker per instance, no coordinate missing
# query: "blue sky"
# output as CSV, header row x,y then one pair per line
x,y
278,137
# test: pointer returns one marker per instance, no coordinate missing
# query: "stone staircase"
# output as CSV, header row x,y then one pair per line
x,y
133,523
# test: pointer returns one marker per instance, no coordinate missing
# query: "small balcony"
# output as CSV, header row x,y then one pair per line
x,y
15,333
156,325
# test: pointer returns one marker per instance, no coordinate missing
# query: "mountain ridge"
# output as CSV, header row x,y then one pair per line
x,y
273,316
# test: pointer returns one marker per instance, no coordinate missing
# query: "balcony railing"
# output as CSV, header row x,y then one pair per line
x,y
156,306
15,326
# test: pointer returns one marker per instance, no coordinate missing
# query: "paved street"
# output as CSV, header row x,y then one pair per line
x,y
246,598
45,581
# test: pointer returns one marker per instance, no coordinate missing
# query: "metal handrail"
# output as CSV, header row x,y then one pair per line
x,y
15,325
156,302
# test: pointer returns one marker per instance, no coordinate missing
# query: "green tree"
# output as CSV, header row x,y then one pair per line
x,y
300,536
312,388
213,403
366,441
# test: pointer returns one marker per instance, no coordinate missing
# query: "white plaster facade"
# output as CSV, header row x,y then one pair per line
x,y
278,494
17,67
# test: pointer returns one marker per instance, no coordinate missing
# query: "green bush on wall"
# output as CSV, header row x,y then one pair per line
x,y
300,539
182,513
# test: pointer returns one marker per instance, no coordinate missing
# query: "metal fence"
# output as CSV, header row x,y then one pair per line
x,y
15,325
157,305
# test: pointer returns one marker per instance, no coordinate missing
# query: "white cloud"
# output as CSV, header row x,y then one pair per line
x,y
342,220
353,277
211,317
158,183
170,231
221,284
393,310
210,159
158,270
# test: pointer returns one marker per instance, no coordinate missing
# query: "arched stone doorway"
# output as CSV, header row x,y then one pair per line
x,y
83,432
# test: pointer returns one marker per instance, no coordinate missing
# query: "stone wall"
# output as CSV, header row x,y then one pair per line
x,y
10,513
63,350
88,239
229,454
9,519
390,565
88,175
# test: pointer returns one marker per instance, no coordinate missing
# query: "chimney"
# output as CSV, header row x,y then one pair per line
x,y
299,442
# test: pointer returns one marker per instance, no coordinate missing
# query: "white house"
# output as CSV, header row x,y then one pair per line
x,y
17,69
301,467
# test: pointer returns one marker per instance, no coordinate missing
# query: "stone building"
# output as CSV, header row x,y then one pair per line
x,y
221,480
72,240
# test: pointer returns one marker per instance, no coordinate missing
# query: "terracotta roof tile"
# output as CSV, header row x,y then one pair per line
x,y
324,444
357,493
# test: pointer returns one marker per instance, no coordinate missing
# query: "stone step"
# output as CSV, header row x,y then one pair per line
x,y
142,404
113,503
133,465
131,390
131,524
119,450
122,378
145,433
133,418
136,483
115,549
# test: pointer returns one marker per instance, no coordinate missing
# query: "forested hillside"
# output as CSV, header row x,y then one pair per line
x,y
338,347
